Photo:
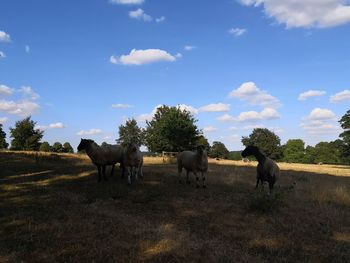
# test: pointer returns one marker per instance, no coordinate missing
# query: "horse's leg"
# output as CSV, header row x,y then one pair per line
x,y
141,173
104,172
203,180
112,171
129,176
187,177
136,173
197,179
123,170
99,172
179,171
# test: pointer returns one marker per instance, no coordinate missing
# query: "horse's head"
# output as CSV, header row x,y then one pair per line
x,y
132,147
84,143
250,150
200,149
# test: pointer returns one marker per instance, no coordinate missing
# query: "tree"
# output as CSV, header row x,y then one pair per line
x,y
294,151
3,143
57,147
171,129
218,150
67,148
267,141
130,133
235,155
25,136
345,135
201,140
45,147
326,152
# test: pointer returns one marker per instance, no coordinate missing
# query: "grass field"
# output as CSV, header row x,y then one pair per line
x,y
53,210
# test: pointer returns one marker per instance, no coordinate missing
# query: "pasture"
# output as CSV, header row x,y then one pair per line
x,y
53,210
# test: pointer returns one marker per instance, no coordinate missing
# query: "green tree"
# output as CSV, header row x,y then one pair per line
x,y
171,129
67,148
294,151
45,147
25,136
345,135
218,150
57,147
267,141
130,133
235,155
3,143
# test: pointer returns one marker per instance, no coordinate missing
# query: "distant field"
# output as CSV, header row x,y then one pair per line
x,y
53,210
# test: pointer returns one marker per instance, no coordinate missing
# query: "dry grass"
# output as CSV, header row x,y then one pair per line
x,y
53,210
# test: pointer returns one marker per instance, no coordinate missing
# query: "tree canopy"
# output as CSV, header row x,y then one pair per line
x,y
3,143
67,148
171,129
45,147
25,136
219,150
294,151
130,133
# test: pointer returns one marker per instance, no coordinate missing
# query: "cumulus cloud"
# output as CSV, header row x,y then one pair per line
x,y
139,14
121,106
210,129
321,114
5,90
251,116
160,19
311,93
57,125
127,2
237,31
4,37
320,127
189,48
22,108
341,96
302,13
90,132
148,116
188,108
250,93
29,92
2,55
215,107
142,57
3,120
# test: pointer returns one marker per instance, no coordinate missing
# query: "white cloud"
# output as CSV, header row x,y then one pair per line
x,y
178,55
22,108
29,92
321,114
142,57
210,129
140,15
237,31
311,93
251,116
189,48
148,116
160,19
127,2
90,132
320,127
121,106
4,37
341,96
5,91
3,120
57,125
188,108
215,107
2,55
249,92
27,49
305,13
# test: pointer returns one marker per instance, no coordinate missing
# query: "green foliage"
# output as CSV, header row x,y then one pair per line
x,y
345,135
235,155
171,129
218,150
294,151
45,147
325,152
3,143
130,133
201,140
67,148
24,136
267,141
57,147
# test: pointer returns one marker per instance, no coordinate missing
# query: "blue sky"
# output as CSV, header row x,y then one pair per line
x,y
80,68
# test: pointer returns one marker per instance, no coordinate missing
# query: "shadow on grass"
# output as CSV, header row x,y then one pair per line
x,y
54,210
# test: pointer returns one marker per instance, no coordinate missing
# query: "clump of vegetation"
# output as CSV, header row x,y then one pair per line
x,y
263,202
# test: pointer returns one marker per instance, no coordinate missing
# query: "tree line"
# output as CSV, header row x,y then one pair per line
x,y
172,129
